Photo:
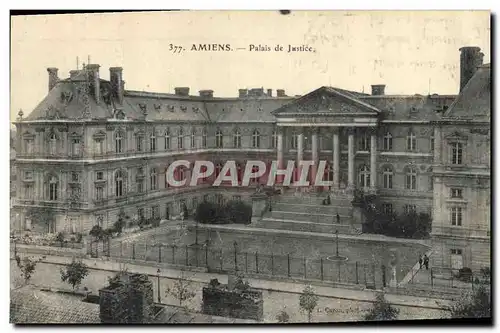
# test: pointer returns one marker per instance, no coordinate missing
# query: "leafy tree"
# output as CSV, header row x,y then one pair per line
x,y
27,266
41,216
473,305
282,317
308,301
96,232
120,223
74,273
181,290
382,310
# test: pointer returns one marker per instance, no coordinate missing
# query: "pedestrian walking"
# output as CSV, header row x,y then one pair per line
x,y
420,261
426,262
338,218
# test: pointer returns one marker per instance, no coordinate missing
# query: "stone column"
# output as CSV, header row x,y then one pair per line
x,y
279,147
300,150
336,158
315,153
373,160
350,169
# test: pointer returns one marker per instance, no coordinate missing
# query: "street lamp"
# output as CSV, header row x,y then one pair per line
x,y
235,256
337,242
158,276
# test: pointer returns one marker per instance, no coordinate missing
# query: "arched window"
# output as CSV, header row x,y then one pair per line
x,y
180,139
53,187
388,174
295,140
119,183
153,179
411,142
204,138
237,138
364,177
53,144
274,140
167,139
410,178
152,142
193,136
256,139
388,141
118,142
219,139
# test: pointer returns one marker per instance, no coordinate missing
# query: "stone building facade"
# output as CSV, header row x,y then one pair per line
x,y
91,149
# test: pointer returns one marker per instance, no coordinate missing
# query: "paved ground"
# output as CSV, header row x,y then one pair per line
x,y
334,304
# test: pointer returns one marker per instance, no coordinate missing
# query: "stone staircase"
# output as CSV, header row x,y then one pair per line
x,y
306,212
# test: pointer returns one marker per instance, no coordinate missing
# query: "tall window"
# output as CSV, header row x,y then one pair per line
x,y
431,142
28,146
409,209
388,174
256,139
411,142
99,146
53,144
155,212
456,153
75,146
295,141
193,136
274,140
167,139
138,142
53,186
99,193
364,142
28,191
204,138
387,208
153,179
456,193
118,142
180,139
119,183
237,139
218,139
152,142
364,177
388,141
456,216
411,179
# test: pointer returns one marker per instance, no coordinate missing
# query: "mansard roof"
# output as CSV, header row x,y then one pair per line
x,y
474,101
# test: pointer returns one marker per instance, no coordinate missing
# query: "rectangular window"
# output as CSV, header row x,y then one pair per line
x,y
152,143
204,139
99,193
237,197
456,153
99,218
28,146
75,147
456,193
75,177
98,145
411,142
155,212
387,208
140,213
431,143
99,175
28,191
456,216
140,186
138,143
408,209
456,251
28,175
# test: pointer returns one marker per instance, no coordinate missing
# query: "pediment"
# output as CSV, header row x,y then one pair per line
x,y
456,135
324,101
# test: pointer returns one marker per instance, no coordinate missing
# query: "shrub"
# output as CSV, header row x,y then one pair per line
x,y
96,232
232,212
79,237
60,237
465,274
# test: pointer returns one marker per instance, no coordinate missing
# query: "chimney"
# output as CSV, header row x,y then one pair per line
x,y
378,89
471,58
116,79
280,93
182,91
243,93
207,93
270,92
95,83
52,77
256,92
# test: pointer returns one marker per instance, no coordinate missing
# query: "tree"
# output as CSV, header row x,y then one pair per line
x,y
120,223
282,317
181,290
308,301
27,266
41,216
96,232
382,310
60,238
473,305
74,273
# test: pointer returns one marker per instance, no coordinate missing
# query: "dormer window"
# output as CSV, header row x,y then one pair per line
x,y
183,108
157,107
196,109
143,107
171,108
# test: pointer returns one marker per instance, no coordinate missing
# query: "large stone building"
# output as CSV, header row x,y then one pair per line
x,y
92,148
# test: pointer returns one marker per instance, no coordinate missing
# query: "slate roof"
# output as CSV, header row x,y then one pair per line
x,y
29,305
245,110
474,101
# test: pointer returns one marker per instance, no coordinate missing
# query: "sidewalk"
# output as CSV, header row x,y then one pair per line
x,y
274,286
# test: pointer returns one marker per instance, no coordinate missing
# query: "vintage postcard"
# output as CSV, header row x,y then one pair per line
x,y
250,167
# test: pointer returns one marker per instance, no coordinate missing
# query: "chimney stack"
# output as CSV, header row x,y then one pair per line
x,y
243,93
280,93
270,92
95,82
117,86
256,92
378,89
471,58
182,91
53,78
207,93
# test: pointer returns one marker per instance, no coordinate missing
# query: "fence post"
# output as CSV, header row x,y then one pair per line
x,y
109,248
357,275
321,268
173,254
235,259
133,251
220,259
432,279
257,262
206,255
246,262
196,254
159,253
288,264
305,268
364,269
146,252
338,271
272,263
383,275
121,249
374,279
187,256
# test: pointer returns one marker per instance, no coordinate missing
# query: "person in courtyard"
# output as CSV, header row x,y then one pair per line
x,y
338,218
420,261
426,262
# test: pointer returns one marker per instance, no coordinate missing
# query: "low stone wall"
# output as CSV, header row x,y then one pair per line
x,y
233,303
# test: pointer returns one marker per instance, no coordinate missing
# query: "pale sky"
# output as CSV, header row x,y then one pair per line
x,y
353,50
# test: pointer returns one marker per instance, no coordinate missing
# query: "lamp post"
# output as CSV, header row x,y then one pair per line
x,y
337,242
196,233
235,256
158,276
